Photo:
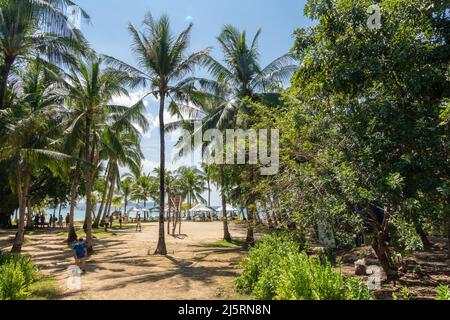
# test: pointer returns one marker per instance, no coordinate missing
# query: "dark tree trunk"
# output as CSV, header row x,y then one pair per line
x,y
379,243
5,70
18,241
226,231
108,202
448,234
161,247
168,213
72,236
250,240
104,197
88,181
26,197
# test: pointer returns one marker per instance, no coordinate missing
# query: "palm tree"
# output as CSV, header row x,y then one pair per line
x,y
240,77
192,184
28,26
208,173
165,65
31,133
91,90
126,186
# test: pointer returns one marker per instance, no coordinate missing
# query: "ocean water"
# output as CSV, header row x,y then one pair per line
x,y
80,212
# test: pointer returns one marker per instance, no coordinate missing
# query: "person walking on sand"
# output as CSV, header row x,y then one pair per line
x,y
138,223
80,254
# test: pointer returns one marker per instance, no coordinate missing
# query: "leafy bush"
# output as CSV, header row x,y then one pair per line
x,y
276,270
443,293
17,273
262,265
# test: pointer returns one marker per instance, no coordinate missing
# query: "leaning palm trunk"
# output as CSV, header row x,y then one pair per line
x,y
72,236
18,241
104,197
161,247
108,202
226,232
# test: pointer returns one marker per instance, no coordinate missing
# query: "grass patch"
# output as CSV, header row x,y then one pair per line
x,y
45,288
99,233
96,233
226,244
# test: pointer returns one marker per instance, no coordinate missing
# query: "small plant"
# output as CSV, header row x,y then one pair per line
x,y
443,293
403,294
17,273
276,269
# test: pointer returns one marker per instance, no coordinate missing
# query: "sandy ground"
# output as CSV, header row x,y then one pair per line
x,y
122,267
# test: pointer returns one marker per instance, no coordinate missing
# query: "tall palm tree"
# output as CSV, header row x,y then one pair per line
x,y
192,184
221,100
208,173
126,187
145,188
31,136
28,26
91,90
164,66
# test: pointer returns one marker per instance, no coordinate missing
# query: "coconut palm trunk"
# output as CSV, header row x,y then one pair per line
x,y
5,70
226,231
104,197
168,212
18,241
448,233
72,235
26,196
88,176
108,202
161,247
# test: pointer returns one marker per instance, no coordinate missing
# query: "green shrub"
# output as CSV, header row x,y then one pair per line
x,y
262,265
276,270
17,273
443,293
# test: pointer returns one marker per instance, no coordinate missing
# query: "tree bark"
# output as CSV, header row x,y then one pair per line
x,y
250,241
72,236
18,241
88,181
104,197
108,201
448,235
26,197
161,247
168,213
5,70
226,231
379,243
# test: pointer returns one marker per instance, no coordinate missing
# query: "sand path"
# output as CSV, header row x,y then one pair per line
x,y
123,269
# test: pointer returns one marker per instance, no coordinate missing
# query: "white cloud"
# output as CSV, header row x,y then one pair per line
x,y
189,19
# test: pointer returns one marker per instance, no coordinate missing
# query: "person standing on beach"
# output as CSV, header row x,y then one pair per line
x,y
138,223
80,251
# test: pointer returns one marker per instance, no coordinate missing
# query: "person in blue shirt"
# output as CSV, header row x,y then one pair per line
x,y
80,251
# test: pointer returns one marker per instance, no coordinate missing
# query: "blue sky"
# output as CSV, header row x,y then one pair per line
x,y
108,34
